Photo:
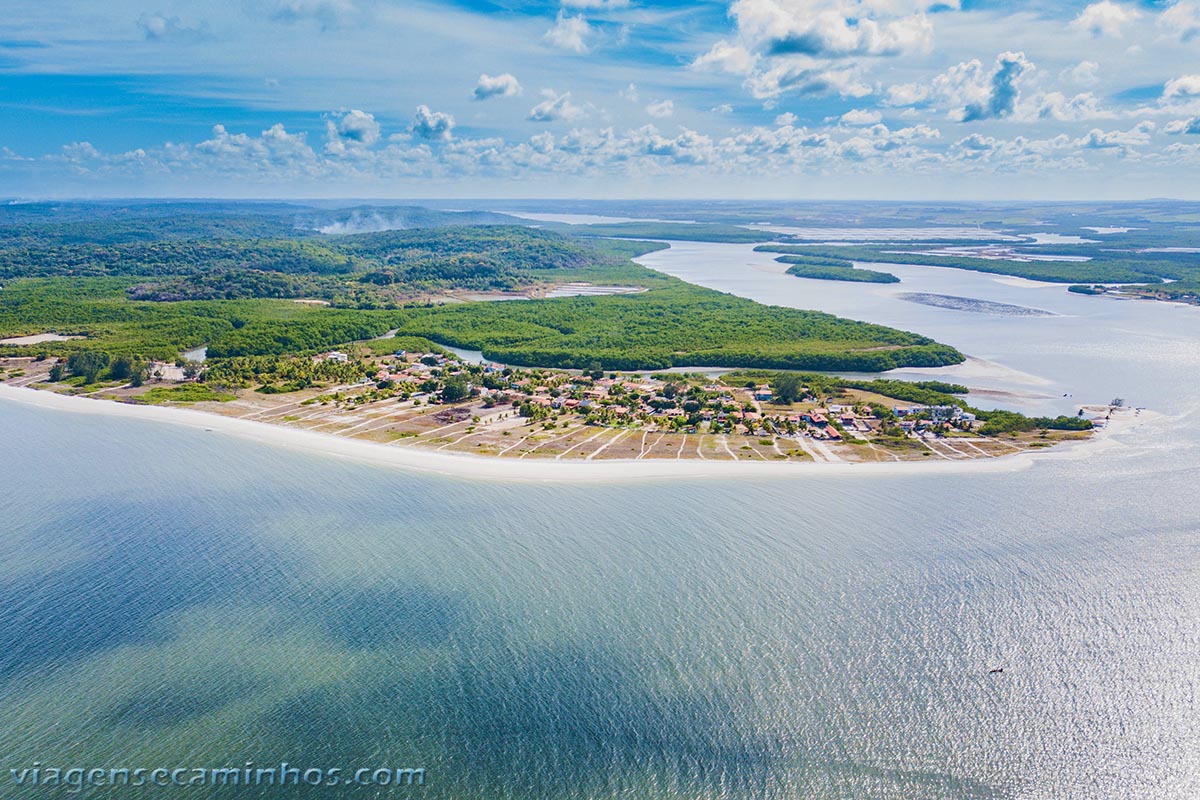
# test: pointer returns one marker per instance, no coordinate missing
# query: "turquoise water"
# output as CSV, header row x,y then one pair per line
x,y
179,598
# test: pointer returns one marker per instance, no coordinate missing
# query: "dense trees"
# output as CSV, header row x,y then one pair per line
x,y
87,364
222,293
788,388
679,326
1080,264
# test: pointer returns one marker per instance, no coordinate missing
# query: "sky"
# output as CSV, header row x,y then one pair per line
x,y
788,99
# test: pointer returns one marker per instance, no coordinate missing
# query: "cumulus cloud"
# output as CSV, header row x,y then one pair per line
x,y
431,125
1056,105
569,33
728,57
1185,87
906,94
504,85
1085,73
1181,20
358,126
1097,139
860,116
818,46
555,107
977,142
781,149
661,108
630,93
806,80
1188,126
350,133
157,27
833,28
1105,18
978,93
689,147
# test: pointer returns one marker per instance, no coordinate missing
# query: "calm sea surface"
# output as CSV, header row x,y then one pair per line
x,y
172,597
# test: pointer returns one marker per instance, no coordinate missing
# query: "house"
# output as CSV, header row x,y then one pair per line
x,y
333,355
166,371
762,393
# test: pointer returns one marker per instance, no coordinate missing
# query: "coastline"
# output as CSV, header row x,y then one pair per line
x,y
541,470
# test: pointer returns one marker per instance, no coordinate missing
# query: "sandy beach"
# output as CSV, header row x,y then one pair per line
x,y
491,468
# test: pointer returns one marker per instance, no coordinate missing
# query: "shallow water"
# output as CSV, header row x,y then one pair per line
x,y
177,597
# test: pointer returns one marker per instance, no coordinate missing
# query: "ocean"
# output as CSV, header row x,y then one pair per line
x,y
178,598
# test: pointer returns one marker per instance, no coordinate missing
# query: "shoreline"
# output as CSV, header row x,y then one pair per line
x,y
541,471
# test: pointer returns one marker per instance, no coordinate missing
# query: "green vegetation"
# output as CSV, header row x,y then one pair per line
x,y
185,393
678,325
1187,291
1102,266
924,393
998,422
803,267
155,299
932,393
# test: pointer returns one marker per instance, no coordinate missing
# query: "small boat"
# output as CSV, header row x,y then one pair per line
x,y
995,670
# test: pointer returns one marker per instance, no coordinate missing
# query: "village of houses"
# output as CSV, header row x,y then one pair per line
x,y
430,400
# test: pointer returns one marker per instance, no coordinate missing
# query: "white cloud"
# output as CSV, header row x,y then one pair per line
x,y
802,79
860,116
598,5
157,27
569,33
977,142
630,93
818,46
1185,87
350,134
907,94
359,126
555,107
1181,20
833,28
504,85
431,125
689,147
979,94
326,13
1056,105
724,108
786,119
1085,73
661,108
726,57
1105,18
542,142
1188,126
1097,139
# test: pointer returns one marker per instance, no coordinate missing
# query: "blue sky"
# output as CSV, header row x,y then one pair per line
x,y
600,98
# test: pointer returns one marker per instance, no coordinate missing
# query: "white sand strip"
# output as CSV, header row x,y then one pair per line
x,y
542,470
